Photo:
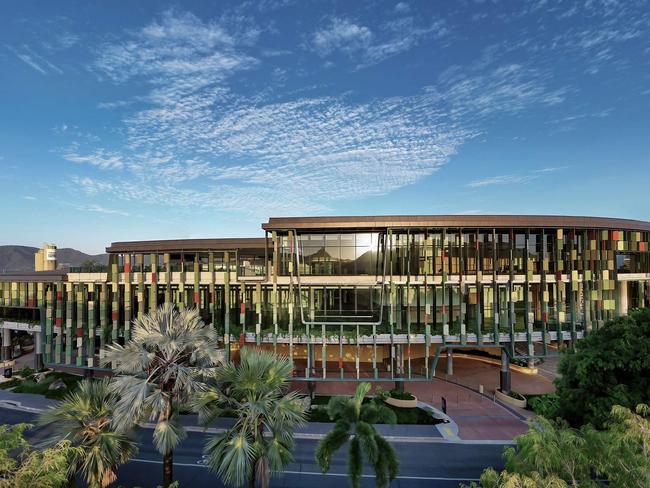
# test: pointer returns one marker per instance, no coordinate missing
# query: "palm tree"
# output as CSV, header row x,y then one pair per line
x,y
354,423
84,418
261,439
159,370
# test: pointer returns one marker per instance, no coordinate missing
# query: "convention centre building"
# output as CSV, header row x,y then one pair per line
x,y
351,297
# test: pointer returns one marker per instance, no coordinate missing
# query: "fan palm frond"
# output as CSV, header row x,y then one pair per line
x,y
260,442
85,419
354,421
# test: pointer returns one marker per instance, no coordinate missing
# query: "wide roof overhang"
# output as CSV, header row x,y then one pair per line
x,y
452,221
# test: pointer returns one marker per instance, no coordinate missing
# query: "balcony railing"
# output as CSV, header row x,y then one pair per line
x,y
99,268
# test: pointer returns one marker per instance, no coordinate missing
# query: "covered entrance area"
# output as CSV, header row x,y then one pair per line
x,y
21,333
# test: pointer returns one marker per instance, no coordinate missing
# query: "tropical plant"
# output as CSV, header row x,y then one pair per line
x,y
610,367
552,448
354,423
48,468
546,405
553,455
85,419
622,452
261,440
159,371
491,479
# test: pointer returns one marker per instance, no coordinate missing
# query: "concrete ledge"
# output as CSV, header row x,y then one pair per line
x,y
396,402
502,397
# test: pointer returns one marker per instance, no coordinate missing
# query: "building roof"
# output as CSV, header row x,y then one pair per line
x,y
188,245
35,276
454,221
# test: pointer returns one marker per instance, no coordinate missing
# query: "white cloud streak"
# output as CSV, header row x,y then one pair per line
x,y
101,158
192,142
370,47
501,180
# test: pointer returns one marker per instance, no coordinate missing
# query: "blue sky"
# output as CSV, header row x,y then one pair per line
x,y
146,120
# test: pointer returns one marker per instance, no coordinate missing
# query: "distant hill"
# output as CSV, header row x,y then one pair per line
x,y
21,258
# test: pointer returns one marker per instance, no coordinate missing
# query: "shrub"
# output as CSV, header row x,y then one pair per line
x,y
401,395
547,405
26,371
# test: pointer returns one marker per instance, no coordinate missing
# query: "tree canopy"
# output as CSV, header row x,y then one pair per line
x,y
611,366
20,465
554,455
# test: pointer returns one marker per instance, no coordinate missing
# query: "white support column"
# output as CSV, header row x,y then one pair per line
x,y
38,350
6,344
622,297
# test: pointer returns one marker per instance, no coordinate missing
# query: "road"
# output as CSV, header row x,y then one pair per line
x,y
434,464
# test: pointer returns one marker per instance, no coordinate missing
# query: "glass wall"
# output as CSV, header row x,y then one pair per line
x,y
334,254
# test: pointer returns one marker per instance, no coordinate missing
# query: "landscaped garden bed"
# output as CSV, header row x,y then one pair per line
x,y
25,382
511,398
401,399
412,416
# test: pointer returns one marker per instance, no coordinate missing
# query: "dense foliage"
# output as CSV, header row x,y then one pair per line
x,y
610,367
22,466
553,455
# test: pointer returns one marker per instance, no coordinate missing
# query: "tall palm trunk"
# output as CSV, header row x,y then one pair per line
x,y
168,458
168,469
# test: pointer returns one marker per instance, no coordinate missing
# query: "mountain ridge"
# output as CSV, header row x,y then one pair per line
x,y
21,258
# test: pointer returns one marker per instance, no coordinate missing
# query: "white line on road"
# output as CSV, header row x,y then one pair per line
x,y
315,473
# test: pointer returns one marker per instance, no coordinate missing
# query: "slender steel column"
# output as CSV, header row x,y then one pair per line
x,y
38,350
6,344
505,372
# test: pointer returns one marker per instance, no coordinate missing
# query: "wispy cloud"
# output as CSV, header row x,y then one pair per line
x,y
402,7
501,180
369,47
550,169
503,89
34,60
193,142
514,179
344,35
99,209
29,197
177,45
27,59
115,104
101,158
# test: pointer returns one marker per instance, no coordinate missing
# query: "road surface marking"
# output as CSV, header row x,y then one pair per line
x,y
316,473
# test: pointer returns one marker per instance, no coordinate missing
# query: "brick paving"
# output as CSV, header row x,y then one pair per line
x,y
478,417
474,372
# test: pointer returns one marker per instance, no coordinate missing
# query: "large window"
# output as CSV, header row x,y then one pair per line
x,y
336,254
251,264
